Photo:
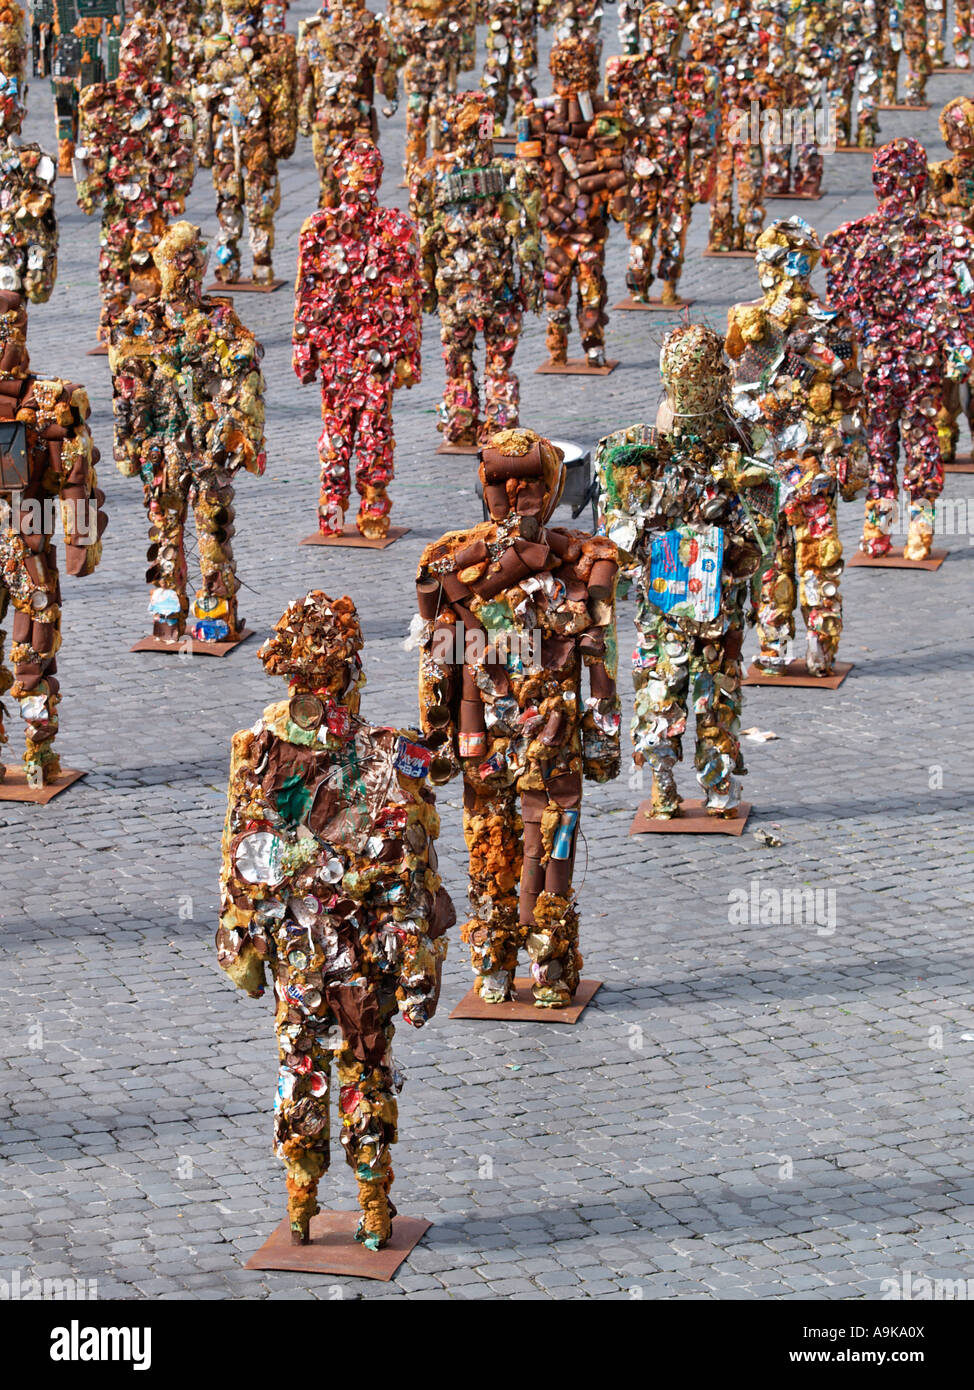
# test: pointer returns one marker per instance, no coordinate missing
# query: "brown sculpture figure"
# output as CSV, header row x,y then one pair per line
x,y
509,614
579,141
47,465
329,881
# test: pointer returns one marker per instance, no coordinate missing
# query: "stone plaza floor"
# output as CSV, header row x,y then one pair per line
x,y
747,1110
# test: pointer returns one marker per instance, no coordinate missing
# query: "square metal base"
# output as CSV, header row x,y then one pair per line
x,y
100,351
243,287
14,786
459,449
575,366
963,463
797,673
901,106
193,645
654,306
856,149
522,1009
730,255
352,537
798,197
333,1248
895,560
692,820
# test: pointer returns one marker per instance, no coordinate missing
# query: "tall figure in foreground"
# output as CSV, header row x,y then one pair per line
x,y
697,518
798,385
189,413
510,612
329,882
905,282
357,324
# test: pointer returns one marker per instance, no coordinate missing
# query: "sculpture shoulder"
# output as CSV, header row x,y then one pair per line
x,y
438,556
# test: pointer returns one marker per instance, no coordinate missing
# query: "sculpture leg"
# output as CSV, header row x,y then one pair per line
x,y
36,637
502,390
721,235
819,562
883,445
524,55
915,48
215,609
493,830
230,217
750,185
460,408
777,174
715,682
661,682
593,292
115,249
867,120
946,420
962,33
417,120
887,61
840,103
936,32
674,220
166,506
776,603
550,917
263,199
323,151
642,247
335,457
367,1101
301,1113
923,469
376,454
559,271
496,77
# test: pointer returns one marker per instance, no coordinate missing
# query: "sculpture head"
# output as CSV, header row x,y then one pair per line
x,y
358,169
957,125
142,47
659,31
13,75
900,175
523,473
787,253
315,647
574,67
14,361
180,256
467,126
695,375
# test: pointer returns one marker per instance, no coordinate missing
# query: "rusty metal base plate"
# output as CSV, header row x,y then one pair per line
x,y
799,197
963,463
244,287
333,1248
653,306
895,560
797,673
14,786
351,536
459,449
856,149
191,645
522,1009
692,820
575,366
901,106
730,255
100,351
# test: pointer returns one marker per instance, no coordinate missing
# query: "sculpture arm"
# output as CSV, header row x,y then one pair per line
x,y
236,952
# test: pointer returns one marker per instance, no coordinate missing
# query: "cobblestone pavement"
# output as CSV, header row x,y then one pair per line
x,y
758,1110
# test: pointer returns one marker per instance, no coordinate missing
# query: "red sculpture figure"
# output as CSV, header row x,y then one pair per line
x,y
579,142
905,282
329,881
47,464
509,613
357,322
659,94
482,264
134,156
